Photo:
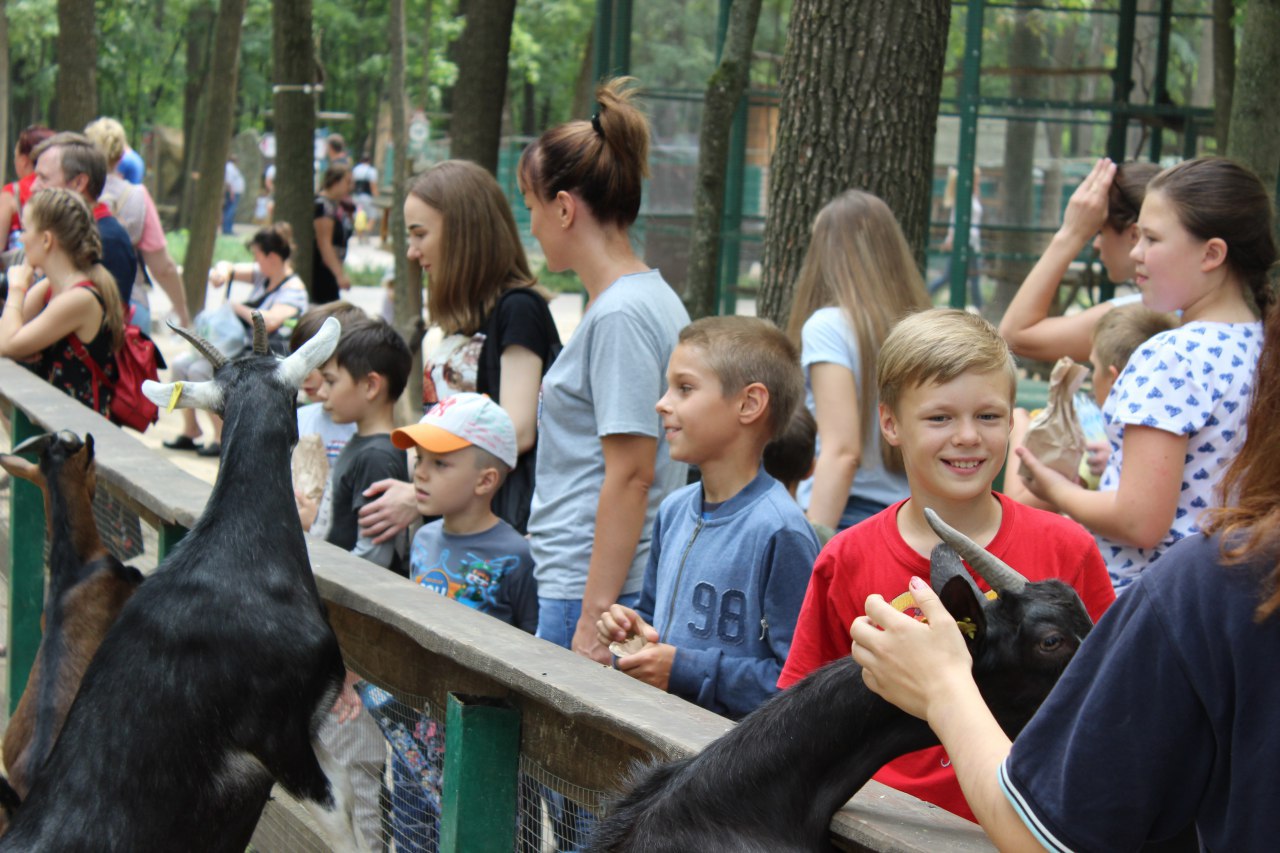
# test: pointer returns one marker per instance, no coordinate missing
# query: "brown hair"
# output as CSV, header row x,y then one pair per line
x,y
859,260
936,346
743,350
64,214
333,174
79,157
1217,197
313,318
1122,330
789,456
603,161
274,239
30,139
1128,189
373,346
481,256
1249,520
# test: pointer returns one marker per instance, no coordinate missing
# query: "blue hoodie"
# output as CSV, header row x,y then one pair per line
x,y
725,589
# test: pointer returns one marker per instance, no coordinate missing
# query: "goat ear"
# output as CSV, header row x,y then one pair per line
x,y
964,603
190,395
21,468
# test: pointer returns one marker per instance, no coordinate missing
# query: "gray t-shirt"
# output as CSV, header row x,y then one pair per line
x,y
606,381
489,571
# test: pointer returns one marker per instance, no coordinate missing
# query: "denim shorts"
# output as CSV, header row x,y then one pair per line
x,y
558,617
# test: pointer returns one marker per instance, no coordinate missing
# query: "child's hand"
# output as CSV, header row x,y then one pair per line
x,y
1099,452
348,705
1086,212
909,663
19,278
307,509
652,664
1041,480
618,623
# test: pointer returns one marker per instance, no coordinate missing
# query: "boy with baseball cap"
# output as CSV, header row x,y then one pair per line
x,y
466,446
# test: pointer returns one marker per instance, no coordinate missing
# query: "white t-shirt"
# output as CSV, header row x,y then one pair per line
x,y
1197,381
828,339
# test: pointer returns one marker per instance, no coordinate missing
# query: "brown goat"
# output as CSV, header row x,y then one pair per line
x,y
86,591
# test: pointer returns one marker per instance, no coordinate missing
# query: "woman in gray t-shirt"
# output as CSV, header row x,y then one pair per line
x,y
603,466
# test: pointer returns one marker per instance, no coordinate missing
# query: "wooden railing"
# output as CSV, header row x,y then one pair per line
x,y
582,722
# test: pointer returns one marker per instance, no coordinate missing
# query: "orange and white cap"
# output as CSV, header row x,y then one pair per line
x,y
463,420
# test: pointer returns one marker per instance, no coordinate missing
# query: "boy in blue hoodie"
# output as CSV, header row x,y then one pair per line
x,y
731,556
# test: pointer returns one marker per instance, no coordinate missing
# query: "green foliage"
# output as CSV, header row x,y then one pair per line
x,y
547,42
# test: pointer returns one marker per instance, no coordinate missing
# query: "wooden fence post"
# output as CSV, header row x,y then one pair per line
x,y
481,774
26,569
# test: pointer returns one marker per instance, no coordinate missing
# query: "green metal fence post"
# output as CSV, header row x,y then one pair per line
x,y
731,216
1162,76
479,806
961,250
604,39
26,569
169,536
1122,79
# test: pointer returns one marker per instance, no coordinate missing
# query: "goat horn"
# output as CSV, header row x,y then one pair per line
x,y
1000,575
37,444
206,349
259,334
312,354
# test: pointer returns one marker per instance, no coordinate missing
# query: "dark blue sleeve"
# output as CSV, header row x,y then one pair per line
x,y
1121,749
118,257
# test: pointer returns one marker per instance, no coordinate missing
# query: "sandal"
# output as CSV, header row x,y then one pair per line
x,y
183,442
213,448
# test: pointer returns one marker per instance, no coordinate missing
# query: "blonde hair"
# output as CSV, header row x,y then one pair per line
x,y
859,260
743,350
482,256
108,135
64,214
1122,330
938,345
603,160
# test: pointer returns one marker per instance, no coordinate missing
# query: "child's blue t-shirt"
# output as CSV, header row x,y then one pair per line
x,y
1197,381
490,571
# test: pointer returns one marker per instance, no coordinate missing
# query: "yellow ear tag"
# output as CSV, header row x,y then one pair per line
x,y
173,398
905,603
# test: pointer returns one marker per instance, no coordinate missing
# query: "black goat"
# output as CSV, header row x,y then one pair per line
x,y
214,680
774,781
87,588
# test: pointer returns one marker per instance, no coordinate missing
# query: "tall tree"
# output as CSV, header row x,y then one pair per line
x,y
408,284
295,114
77,100
860,86
721,101
481,90
220,103
1255,103
199,45
1224,68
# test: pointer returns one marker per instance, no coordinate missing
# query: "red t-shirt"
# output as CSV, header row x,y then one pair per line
x,y
872,557
21,190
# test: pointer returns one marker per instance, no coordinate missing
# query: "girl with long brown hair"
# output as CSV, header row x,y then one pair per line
x,y
857,280
76,306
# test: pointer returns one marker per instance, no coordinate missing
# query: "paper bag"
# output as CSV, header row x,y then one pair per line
x,y
310,466
1054,435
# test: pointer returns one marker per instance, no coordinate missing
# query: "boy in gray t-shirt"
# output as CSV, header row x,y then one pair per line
x,y
465,445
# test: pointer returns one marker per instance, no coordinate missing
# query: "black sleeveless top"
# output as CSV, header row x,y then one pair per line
x,y
62,368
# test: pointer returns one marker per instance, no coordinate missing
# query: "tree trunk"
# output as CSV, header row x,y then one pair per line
x,y
199,29
77,99
1224,69
1018,185
1255,103
724,92
408,286
426,55
295,108
481,90
220,104
861,81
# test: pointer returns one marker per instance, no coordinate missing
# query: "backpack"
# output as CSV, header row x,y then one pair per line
x,y
138,359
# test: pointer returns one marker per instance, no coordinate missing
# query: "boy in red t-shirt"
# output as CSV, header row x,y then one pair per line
x,y
947,384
